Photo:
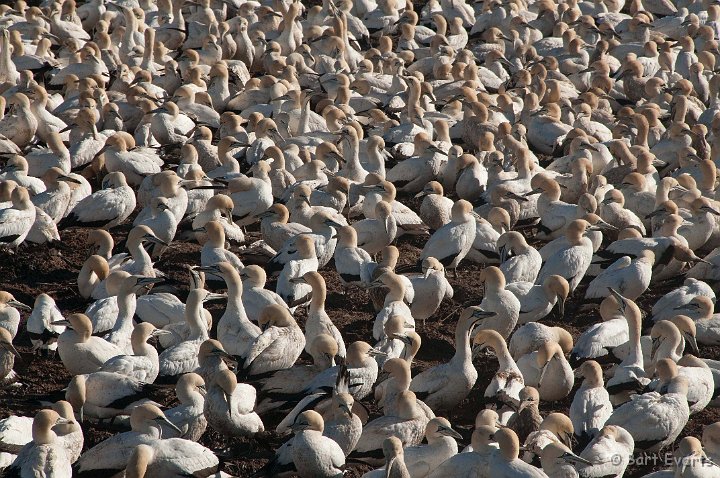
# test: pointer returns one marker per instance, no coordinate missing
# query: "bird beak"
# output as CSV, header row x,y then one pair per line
x,y
69,179
11,348
690,339
146,281
573,457
561,305
19,305
211,296
447,431
156,240
619,297
159,332
404,338
212,269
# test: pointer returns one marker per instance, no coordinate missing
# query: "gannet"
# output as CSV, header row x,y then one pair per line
x,y
278,346
313,454
9,314
351,261
508,380
290,285
254,296
431,287
182,358
229,406
17,220
143,364
234,329
188,416
408,424
572,261
47,452
499,308
519,261
659,418
318,321
452,242
114,452
538,300
105,208
79,351
547,370
444,386
591,405
611,441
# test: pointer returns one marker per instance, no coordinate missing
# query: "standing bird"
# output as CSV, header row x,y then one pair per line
x,y
17,220
314,455
572,261
278,346
451,243
105,208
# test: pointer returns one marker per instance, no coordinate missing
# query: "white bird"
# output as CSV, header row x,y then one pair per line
x,y
105,395
591,405
407,424
505,461
599,339
452,242
47,452
171,457
609,452
189,415
289,287
79,350
105,208
214,251
17,220
474,462
530,337
572,261
255,297
630,277
394,303
430,287
9,314
376,233
278,346
421,460
500,307
630,376
318,321
351,261
668,305
508,380
519,262
113,453
229,406
444,386
183,357
548,371
654,420
143,364
538,300
234,329
315,455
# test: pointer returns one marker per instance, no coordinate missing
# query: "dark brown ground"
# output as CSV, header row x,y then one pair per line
x,y
36,269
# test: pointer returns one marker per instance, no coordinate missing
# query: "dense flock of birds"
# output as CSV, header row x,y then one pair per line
x,y
553,143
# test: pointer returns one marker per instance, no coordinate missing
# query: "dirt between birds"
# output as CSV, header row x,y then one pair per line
x,y
36,269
